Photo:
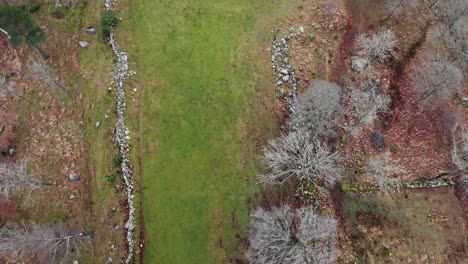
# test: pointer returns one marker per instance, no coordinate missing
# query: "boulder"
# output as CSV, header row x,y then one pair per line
x,y
465,101
90,30
377,140
359,65
83,44
74,177
108,260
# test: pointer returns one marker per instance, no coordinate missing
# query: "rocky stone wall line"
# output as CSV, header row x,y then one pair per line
x,y
122,137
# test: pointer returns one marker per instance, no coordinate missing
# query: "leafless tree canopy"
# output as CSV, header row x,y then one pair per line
x,y
13,240
282,236
318,110
379,46
365,108
437,78
299,155
382,169
15,178
42,71
50,243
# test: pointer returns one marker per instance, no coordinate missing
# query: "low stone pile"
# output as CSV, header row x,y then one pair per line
x,y
281,64
122,137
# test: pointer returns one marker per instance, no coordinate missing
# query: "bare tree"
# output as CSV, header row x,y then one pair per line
x,y
13,240
42,71
454,33
365,108
437,78
299,155
17,178
50,243
452,11
318,110
382,169
379,46
283,236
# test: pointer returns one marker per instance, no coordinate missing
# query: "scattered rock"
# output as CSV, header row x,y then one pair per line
x,y
464,101
108,260
90,30
74,177
83,44
106,116
377,140
72,197
98,124
359,65
11,152
109,89
75,261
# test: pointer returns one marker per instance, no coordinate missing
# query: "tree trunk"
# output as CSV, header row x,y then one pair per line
x,y
43,53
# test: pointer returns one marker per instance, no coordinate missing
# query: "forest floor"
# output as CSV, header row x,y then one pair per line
x,y
58,132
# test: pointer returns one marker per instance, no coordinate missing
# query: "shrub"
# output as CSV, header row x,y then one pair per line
x,y
117,160
108,21
109,177
34,7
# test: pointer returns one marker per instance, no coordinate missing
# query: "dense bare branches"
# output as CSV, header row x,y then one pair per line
x,y
42,71
53,242
455,36
378,46
17,178
365,108
299,155
283,236
318,110
50,243
13,240
437,78
384,172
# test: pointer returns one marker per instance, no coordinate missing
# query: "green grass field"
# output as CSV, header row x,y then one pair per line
x,y
202,66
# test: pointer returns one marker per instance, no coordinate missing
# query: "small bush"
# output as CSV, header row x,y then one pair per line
x,y
108,21
311,37
117,160
109,177
34,7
